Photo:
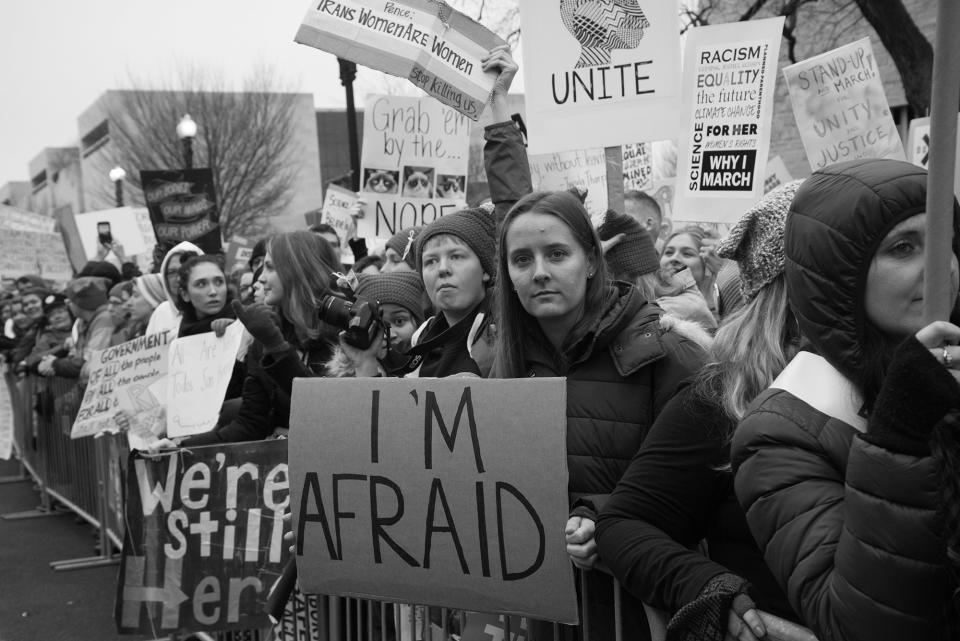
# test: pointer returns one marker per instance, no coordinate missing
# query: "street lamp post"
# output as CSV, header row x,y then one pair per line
x,y
117,174
348,73
186,131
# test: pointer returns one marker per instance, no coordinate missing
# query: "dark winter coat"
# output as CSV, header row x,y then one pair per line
x,y
619,377
508,170
677,492
846,513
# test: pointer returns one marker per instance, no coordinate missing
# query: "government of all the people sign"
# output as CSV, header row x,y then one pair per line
x,y
449,492
841,108
425,41
729,74
600,74
204,538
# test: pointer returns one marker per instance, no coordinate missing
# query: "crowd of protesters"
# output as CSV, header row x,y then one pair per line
x,y
759,423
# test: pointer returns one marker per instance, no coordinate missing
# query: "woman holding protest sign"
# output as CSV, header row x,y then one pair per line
x,y
847,466
678,489
560,315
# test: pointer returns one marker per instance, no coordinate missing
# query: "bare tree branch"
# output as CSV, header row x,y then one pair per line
x,y
245,137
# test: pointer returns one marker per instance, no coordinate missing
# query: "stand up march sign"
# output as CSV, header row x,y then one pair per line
x,y
448,492
183,207
840,106
204,538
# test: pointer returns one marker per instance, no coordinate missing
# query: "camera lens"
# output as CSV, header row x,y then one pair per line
x,y
335,311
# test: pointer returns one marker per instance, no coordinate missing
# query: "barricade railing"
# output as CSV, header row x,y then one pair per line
x,y
86,476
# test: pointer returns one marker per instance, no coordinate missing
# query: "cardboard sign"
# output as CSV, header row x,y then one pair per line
x,y
637,167
728,89
600,74
204,538
841,108
200,370
427,42
33,252
183,207
412,490
586,169
415,156
238,252
337,203
120,380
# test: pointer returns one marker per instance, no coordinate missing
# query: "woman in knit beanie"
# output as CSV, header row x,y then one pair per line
x,y
146,296
398,254
679,489
455,257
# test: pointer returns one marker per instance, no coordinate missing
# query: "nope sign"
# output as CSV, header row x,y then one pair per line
x,y
447,492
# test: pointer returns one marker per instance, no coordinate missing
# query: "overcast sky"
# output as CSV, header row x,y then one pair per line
x,y
58,56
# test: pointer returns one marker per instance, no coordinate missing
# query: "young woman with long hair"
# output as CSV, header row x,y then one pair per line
x,y
678,489
560,315
203,296
847,465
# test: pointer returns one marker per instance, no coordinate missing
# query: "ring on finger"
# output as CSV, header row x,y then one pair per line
x,y
947,357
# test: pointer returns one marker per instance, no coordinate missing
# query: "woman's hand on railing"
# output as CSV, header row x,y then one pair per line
x,y
581,544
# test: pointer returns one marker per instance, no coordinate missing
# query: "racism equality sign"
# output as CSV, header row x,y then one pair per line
x,y
121,379
183,207
447,492
415,157
204,538
840,107
728,81
425,41
600,74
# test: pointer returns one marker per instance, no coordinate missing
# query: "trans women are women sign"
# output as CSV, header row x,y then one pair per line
x,y
427,42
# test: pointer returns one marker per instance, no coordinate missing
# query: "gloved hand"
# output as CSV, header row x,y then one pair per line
x,y
262,323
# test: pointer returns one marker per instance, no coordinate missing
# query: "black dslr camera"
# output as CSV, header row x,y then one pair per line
x,y
360,319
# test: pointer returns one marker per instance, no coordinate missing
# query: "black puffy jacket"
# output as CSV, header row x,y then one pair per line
x,y
844,509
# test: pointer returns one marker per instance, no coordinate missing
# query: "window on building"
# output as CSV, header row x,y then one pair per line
x,y
95,138
39,181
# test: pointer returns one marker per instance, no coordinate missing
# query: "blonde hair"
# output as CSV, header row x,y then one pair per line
x,y
750,350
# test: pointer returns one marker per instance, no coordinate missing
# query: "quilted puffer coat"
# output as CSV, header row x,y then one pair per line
x,y
846,511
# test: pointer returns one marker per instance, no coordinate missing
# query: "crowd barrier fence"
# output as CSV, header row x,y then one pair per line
x,y
84,477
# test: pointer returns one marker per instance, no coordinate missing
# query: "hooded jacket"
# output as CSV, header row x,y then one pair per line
x,y
166,317
845,509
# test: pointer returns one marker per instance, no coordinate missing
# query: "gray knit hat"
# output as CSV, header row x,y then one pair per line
x,y
756,241
402,243
475,227
398,288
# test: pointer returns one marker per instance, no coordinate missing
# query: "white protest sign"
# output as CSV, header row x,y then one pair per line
x,y
200,370
130,226
600,74
425,41
728,80
586,169
637,166
840,107
337,204
13,218
33,252
918,148
409,490
415,156
120,380
777,174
